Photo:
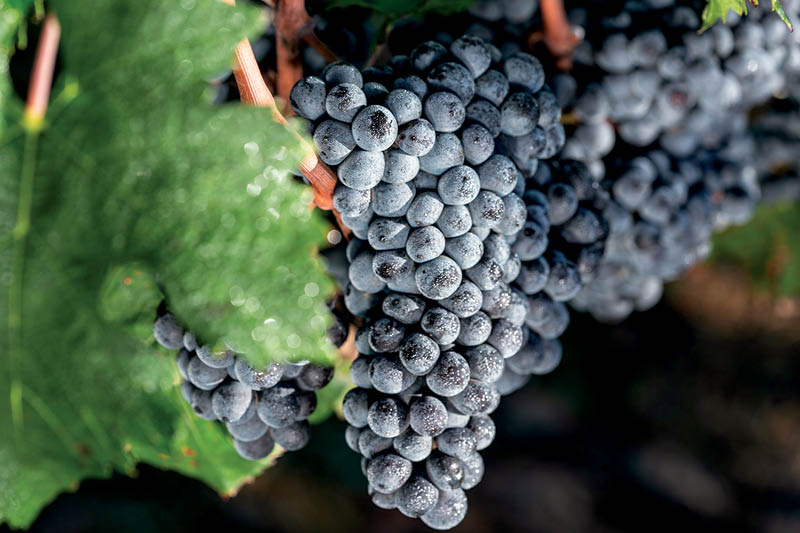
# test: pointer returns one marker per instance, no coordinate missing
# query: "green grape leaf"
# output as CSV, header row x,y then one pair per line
x,y
767,248
717,10
397,8
139,187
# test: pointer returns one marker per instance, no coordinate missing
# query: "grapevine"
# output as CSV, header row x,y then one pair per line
x,y
482,175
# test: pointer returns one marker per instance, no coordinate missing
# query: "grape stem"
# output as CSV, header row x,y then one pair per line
x,y
290,17
254,91
42,74
559,36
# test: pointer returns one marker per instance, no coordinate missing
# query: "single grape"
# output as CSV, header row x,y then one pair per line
x,y
465,301
230,401
374,128
362,275
454,221
417,497
506,337
477,399
388,233
466,250
425,243
496,247
340,72
439,278
292,437
404,104
334,141
493,86
413,446
314,377
524,70
485,114
473,471
444,471
352,202
356,301
453,77
403,308
425,209
359,373
355,407
445,111
200,401
450,375
391,265
183,362
400,167
388,375
371,444
485,363
425,55
486,274
475,329
459,186
387,473
279,406
383,501
478,144
376,93
441,325
564,280
531,243
345,101
256,449
168,332
512,268
248,431
416,137
388,417
473,52
446,152
189,341
549,110
497,300
413,83
519,114
307,97
203,376
385,335
362,170
498,174
392,199
351,435
419,354
427,416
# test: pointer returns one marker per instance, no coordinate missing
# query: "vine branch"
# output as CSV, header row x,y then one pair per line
x,y
559,37
42,74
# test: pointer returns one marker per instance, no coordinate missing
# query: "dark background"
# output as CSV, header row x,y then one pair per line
x,y
685,418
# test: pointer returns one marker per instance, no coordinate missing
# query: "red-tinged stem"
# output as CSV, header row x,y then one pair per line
x,y
42,75
290,18
558,35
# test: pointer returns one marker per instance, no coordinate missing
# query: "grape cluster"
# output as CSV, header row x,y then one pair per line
x,y
646,71
258,407
466,247
661,212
